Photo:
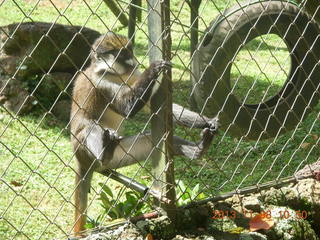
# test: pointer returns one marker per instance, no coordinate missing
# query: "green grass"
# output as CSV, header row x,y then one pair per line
x,y
251,78
36,167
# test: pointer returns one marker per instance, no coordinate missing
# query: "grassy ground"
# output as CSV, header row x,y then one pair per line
x,y
36,160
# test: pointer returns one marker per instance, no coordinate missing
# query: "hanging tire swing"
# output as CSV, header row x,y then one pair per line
x,y
220,45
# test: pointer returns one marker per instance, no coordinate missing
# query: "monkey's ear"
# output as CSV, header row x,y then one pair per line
x,y
93,55
96,46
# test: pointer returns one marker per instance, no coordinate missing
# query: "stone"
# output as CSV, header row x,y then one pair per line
x,y
36,47
309,169
252,236
28,51
252,203
289,226
62,109
19,95
142,226
52,86
14,97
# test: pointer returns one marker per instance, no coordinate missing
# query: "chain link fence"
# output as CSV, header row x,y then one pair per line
x,y
254,65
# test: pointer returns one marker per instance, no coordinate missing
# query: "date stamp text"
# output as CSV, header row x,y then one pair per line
x,y
220,214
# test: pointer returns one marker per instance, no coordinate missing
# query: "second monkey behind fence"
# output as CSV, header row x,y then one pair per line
x,y
108,91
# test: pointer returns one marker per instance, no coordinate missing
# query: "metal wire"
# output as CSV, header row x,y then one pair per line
x,y
38,165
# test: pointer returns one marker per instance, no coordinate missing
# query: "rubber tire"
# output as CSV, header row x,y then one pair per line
x,y
220,45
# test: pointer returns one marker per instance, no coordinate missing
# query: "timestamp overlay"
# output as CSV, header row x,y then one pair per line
x,y
268,214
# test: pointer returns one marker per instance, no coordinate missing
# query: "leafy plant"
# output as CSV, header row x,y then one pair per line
x,y
132,205
186,195
92,223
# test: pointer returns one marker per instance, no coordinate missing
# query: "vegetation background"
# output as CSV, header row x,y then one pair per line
x,y
36,167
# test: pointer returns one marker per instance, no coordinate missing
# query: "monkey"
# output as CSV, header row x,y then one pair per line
x,y
110,90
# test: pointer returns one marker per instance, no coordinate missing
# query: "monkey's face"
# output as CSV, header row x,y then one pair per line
x,y
113,55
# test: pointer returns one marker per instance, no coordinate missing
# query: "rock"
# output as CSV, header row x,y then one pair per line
x,y
279,197
61,110
205,237
179,237
290,223
308,169
36,47
124,232
305,195
235,199
196,217
14,97
28,51
161,227
19,95
252,203
201,237
98,236
54,83
225,224
289,226
142,226
49,87
252,236
309,190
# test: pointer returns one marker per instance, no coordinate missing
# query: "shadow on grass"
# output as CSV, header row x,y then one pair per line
x,y
257,44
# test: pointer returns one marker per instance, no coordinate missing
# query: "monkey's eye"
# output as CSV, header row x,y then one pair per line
x,y
103,54
113,52
124,54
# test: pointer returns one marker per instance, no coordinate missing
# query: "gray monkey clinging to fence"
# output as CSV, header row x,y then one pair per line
x,y
101,101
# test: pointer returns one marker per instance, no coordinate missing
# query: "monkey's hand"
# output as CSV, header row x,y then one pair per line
x,y
213,125
110,140
102,142
159,66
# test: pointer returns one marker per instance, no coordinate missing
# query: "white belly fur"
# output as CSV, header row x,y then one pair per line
x,y
111,119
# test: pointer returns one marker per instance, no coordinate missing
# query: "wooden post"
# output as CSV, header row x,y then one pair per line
x,y
194,37
194,23
133,16
112,5
161,103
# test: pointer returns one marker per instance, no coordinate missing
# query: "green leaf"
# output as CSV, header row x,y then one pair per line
x,y
128,208
89,225
100,218
105,200
182,186
113,214
106,189
131,198
120,208
195,191
186,195
201,196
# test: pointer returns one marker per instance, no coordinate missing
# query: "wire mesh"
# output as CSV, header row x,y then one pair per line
x,y
253,64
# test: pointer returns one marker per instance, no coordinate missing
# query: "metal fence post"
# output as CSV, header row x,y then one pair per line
x,y
161,103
